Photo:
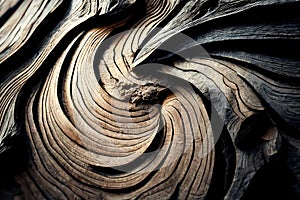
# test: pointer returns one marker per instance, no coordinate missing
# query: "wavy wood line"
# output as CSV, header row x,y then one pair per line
x,y
135,99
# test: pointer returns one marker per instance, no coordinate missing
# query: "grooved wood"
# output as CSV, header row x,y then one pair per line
x,y
128,99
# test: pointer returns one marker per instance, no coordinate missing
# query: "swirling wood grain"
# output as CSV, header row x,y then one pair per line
x,y
134,99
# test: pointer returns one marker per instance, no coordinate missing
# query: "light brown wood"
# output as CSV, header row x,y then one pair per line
x,y
155,99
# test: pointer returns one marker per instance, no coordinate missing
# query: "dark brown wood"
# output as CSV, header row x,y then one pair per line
x,y
157,99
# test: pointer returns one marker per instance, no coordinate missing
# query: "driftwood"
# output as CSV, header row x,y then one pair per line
x,y
160,99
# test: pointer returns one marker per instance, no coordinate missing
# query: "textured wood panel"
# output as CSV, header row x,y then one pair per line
x,y
160,99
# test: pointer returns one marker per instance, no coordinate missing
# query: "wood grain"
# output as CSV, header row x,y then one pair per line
x,y
135,99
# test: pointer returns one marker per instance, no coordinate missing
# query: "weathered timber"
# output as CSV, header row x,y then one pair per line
x,y
158,99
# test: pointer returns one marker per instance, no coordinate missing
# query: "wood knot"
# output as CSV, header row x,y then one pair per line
x,y
147,94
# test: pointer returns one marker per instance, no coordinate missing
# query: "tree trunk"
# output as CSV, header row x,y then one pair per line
x,y
159,99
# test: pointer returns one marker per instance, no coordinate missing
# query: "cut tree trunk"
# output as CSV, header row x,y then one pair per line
x,y
158,99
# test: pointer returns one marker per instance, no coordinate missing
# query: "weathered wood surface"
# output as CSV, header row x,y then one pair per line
x,y
159,99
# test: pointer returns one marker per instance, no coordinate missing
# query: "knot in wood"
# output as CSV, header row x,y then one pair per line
x,y
146,94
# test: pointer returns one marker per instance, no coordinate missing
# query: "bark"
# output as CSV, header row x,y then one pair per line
x,y
159,99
